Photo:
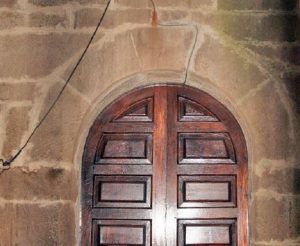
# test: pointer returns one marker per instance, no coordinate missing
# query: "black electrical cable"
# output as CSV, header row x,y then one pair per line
x,y
6,163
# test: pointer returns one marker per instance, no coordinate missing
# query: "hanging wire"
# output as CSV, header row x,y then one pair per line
x,y
5,164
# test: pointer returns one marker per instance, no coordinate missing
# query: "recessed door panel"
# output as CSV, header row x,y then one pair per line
x,y
122,191
206,232
210,148
120,148
121,232
206,191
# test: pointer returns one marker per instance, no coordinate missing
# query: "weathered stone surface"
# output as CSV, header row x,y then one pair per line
x,y
11,19
46,183
61,127
291,81
286,52
36,225
158,49
95,73
166,16
40,19
143,49
131,16
89,17
133,3
281,180
37,55
8,3
257,4
204,18
287,242
45,3
275,27
186,3
48,2
16,125
222,65
275,219
17,92
295,217
270,126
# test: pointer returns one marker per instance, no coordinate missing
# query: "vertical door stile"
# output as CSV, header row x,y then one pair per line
x,y
172,168
242,180
159,167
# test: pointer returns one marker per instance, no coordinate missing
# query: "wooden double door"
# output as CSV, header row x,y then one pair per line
x,y
165,166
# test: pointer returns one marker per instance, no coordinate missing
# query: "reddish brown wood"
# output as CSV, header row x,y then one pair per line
x,y
165,165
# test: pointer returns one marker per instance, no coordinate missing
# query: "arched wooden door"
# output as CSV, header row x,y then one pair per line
x,y
165,166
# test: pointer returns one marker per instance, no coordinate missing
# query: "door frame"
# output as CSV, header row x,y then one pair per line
x,y
196,91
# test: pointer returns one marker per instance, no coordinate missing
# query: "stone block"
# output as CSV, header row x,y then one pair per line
x,y
273,27
286,52
283,181
48,2
17,92
36,225
166,16
257,4
270,219
204,18
295,216
45,183
11,20
270,126
116,18
36,55
87,17
39,19
106,63
186,3
8,3
133,3
291,81
56,139
16,125
45,3
226,68
159,50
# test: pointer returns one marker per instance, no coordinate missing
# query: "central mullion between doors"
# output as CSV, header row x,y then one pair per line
x,y
172,108
159,167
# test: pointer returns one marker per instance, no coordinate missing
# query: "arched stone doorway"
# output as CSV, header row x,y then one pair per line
x,y
165,165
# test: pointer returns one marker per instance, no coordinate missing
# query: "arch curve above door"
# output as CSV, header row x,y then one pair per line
x,y
165,165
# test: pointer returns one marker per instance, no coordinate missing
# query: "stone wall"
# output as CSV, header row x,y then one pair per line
x,y
246,53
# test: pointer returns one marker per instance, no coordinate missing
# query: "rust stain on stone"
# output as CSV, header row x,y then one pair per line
x,y
154,17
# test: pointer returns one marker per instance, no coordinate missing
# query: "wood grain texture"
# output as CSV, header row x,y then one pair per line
x,y
165,166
